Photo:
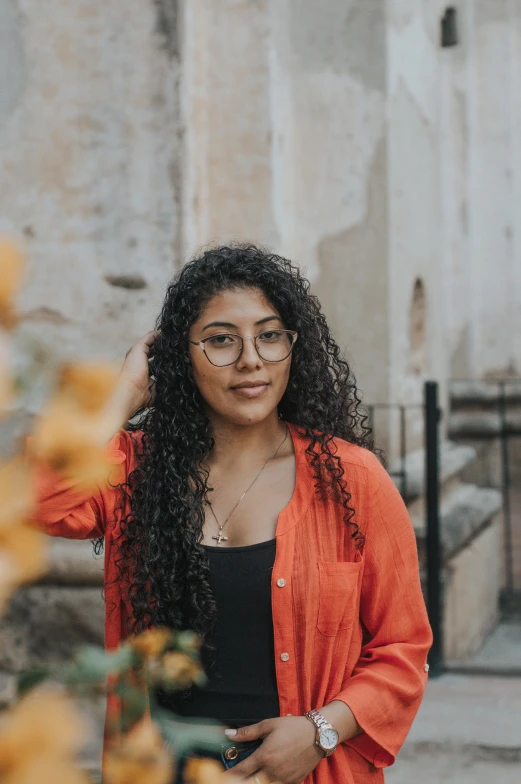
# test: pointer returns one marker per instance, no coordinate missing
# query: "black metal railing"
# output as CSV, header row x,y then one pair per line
x,y
507,394
434,557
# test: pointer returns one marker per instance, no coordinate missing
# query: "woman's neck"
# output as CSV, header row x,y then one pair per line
x,y
245,443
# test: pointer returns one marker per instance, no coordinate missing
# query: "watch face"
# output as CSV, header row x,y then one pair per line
x,y
328,739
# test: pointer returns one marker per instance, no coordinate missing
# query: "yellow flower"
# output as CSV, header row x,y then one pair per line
x,y
45,770
140,758
43,725
77,422
15,492
181,669
11,271
89,385
6,382
203,771
152,642
23,549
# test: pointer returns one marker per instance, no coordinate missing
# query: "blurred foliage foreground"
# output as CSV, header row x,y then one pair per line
x,y
42,732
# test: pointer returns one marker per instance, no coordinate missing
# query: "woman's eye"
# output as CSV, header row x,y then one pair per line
x,y
221,340
271,336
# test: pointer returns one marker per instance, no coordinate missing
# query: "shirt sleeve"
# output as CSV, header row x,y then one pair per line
x,y
65,508
386,687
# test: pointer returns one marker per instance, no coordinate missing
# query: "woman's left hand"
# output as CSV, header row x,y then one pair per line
x,y
288,752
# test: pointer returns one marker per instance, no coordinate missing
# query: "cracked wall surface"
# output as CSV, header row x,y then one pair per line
x,y
340,134
88,157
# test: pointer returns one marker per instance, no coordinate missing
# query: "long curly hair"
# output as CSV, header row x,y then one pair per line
x,y
161,559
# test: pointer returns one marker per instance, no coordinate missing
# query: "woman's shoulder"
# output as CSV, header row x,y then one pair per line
x,y
354,454
123,446
359,459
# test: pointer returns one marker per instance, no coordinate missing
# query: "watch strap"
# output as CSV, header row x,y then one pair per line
x,y
321,723
318,720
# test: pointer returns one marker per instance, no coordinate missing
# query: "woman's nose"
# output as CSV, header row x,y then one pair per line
x,y
249,356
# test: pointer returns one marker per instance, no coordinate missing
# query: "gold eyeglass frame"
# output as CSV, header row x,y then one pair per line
x,y
201,345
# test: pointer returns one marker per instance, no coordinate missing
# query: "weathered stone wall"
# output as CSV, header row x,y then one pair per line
x,y
286,145
339,133
89,167
481,158
89,151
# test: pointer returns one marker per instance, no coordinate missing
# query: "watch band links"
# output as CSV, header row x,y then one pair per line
x,y
318,720
320,723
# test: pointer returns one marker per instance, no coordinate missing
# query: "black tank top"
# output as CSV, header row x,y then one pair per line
x,y
241,687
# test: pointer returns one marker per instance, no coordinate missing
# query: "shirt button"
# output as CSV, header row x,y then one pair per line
x,y
281,582
426,668
284,656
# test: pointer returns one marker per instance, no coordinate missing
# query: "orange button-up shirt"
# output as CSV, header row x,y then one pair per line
x,y
348,625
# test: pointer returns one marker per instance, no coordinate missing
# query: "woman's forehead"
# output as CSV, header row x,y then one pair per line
x,y
237,306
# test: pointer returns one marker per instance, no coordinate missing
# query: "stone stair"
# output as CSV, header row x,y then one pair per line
x,y
475,419
471,542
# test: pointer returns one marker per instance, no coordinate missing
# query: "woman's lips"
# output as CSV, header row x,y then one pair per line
x,y
255,391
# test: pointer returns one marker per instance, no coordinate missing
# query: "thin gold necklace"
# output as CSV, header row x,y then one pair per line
x,y
220,538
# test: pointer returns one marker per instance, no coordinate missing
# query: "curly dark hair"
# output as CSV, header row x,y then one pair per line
x,y
161,559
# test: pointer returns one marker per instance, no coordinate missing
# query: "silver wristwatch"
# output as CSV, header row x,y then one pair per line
x,y
327,737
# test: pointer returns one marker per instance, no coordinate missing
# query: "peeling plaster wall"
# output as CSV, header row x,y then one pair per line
x,y
227,166
285,145
482,190
89,164
339,133
495,225
415,245
335,151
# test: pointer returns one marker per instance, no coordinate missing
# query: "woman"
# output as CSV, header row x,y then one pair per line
x,y
253,510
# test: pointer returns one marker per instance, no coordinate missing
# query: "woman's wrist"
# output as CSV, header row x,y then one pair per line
x,y
123,403
342,718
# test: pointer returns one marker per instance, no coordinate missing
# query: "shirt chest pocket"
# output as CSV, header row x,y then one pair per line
x,y
338,594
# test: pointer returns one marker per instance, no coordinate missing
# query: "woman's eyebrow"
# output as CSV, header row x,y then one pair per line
x,y
220,324
234,326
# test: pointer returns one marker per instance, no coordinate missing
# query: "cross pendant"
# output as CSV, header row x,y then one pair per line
x,y
220,538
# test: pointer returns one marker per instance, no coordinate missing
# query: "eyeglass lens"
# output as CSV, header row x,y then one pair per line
x,y
225,349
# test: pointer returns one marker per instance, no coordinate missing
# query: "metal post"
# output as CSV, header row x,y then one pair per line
x,y
403,451
432,506
505,487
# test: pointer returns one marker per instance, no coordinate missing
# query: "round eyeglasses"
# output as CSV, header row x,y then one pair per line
x,y
273,345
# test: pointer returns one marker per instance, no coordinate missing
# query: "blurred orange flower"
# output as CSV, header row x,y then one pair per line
x,y
23,549
42,731
11,272
139,758
203,771
77,423
152,642
46,771
181,669
6,382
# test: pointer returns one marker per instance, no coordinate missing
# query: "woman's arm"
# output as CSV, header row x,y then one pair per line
x,y
66,508
386,687
63,506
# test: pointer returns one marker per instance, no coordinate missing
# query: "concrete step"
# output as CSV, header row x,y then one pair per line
x,y
483,393
73,563
454,458
465,509
482,424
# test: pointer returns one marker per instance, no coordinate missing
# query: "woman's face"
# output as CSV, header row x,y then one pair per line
x,y
250,389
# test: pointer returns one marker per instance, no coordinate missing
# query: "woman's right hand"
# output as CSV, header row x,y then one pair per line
x,y
135,388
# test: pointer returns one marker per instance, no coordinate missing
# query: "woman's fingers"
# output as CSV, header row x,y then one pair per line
x,y
251,732
248,767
